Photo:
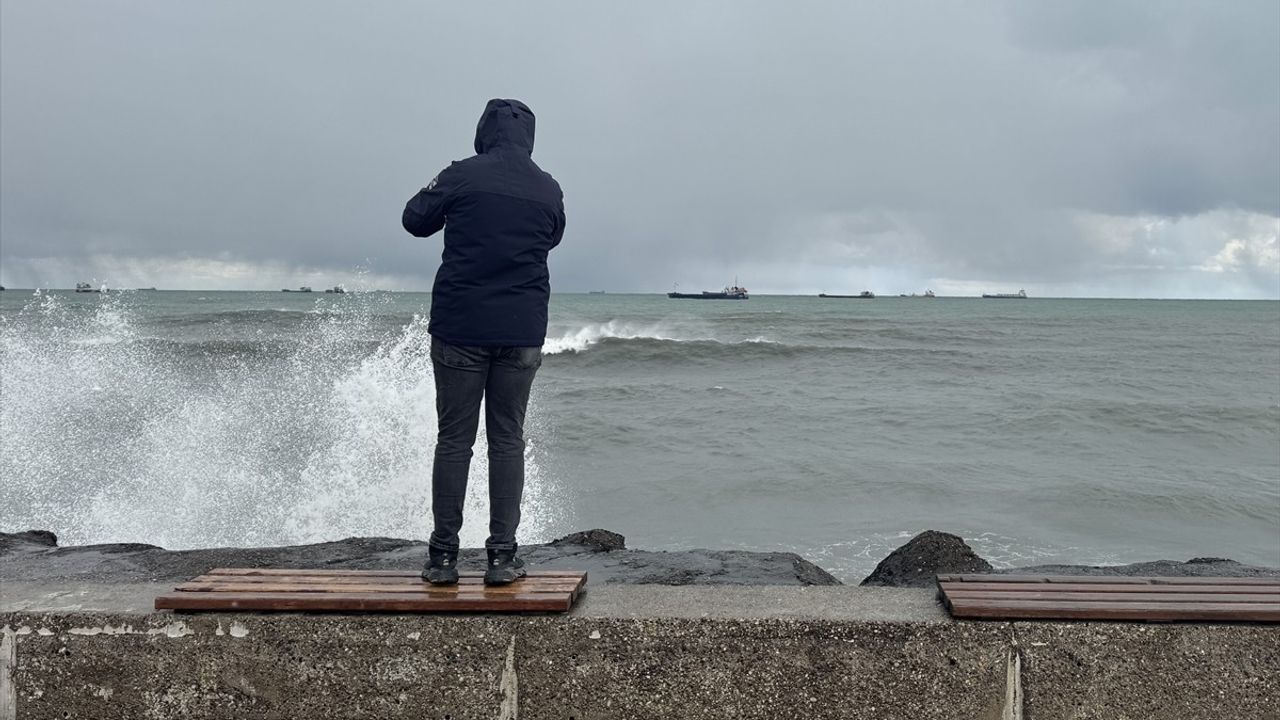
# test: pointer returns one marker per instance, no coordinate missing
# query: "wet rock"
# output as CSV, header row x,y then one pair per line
x,y
923,558
603,540
27,541
601,553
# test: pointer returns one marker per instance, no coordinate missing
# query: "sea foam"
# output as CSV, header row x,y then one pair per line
x,y
110,435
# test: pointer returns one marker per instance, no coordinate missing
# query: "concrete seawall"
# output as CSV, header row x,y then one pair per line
x,y
86,651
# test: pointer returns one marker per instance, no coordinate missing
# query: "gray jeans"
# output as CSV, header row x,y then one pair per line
x,y
501,376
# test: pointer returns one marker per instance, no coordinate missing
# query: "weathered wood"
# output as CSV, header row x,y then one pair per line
x,y
420,587
1108,579
994,578
315,579
370,590
362,573
1117,598
364,602
1160,612
1214,581
1103,598
1118,589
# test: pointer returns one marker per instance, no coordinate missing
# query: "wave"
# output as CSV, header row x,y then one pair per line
x,y
605,342
575,341
111,435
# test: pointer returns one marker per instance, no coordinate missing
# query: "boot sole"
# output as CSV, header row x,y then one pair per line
x,y
441,581
489,580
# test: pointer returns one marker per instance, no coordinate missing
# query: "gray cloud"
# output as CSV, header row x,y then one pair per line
x,y
801,147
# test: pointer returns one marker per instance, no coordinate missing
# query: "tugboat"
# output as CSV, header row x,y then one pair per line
x,y
86,288
304,288
336,289
1020,295
729,293
864,295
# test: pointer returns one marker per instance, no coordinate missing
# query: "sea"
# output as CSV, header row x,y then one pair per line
x,y
1040,430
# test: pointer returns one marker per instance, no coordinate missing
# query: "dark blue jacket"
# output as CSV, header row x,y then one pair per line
x,y
501,215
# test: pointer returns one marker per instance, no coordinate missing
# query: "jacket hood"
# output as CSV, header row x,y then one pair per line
x,y
505,124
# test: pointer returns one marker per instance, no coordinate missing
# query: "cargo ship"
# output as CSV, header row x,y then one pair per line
x,y
1020,295
864,295
729,293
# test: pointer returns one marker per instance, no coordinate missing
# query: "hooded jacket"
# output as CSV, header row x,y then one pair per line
x,y
501,215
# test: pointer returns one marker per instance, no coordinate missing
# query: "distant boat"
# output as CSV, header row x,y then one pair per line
x,y
927,294
1020,295
729,293
595,292
864,295
86,288
304,288
336,289
150,288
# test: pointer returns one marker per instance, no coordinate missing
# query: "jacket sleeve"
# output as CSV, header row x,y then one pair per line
x,y
424,213
559,230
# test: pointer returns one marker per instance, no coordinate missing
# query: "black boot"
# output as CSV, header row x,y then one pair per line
x,y
503,568
441,567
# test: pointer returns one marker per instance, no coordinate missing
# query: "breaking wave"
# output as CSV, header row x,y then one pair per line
x,y
578,340
109,435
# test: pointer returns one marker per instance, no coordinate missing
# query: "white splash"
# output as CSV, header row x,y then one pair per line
x,y
592,333
109,436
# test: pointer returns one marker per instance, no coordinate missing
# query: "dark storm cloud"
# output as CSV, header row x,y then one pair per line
x,y
1117,148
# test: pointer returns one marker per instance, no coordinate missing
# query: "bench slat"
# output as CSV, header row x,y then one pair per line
x,y
1108,579
365,602
1129,589
1072,597
258,589
421,587
1178,597
312,572
1151,611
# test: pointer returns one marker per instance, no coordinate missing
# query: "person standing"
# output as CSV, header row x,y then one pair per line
x,y
501,216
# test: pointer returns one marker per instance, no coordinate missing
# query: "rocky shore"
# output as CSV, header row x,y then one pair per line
x,y
35,556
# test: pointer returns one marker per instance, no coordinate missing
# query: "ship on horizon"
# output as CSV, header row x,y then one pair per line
x,y
735,292
1020,295
864,295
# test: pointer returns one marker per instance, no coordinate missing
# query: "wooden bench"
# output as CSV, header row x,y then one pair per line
x,y
401,591
1092,597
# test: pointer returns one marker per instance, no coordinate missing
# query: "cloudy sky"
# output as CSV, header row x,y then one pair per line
x,y
1071,148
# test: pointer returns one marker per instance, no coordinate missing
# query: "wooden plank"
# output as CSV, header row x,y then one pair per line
x,y
370,590
420,587
1215,581
367,573
465,579
1077,579
1067,597
1157,611
1111,597
1108,579
364,602
1099,587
